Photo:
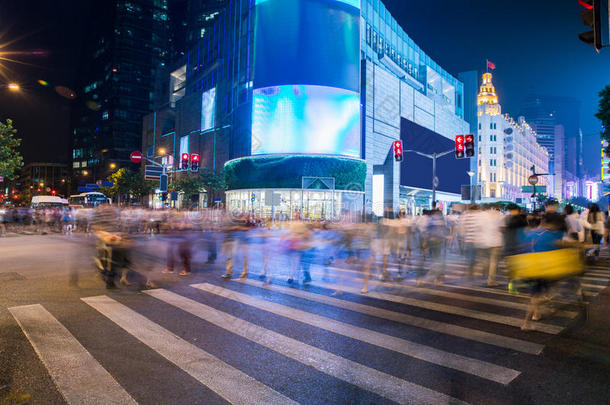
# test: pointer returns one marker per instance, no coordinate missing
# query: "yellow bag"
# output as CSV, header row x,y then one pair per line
x,y
551,265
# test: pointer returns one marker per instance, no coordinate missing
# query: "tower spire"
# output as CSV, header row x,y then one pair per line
x,y
487,100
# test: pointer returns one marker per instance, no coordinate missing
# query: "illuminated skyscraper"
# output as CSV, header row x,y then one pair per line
x,y
127,43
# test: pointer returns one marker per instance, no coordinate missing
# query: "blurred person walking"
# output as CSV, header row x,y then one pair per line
x,y
490,241
470,225
597,220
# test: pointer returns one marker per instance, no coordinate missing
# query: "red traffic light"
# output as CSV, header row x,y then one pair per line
x,y
185,160
53,192
195,162
469,145
15,196
459,146
398,151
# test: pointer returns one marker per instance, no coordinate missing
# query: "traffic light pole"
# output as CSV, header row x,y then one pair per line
x,y
432,156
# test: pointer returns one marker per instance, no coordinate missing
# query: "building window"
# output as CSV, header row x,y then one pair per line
x,y
76,164
479,125
491,126
105,115
479,136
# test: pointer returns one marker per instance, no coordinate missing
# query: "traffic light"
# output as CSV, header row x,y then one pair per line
x,y
459,146
595,15
53,192
185,161
398,151
469,145
163,183
253,197
195,162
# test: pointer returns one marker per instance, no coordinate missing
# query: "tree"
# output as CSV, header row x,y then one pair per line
x,y
190,185
10,158
603,114
214,183
126,182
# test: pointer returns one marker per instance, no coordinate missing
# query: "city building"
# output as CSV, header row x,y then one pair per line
x,y
303,125
556,121
43,178
507,150
128,41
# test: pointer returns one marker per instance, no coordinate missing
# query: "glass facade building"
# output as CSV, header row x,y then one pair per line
x,y
311,116
127,44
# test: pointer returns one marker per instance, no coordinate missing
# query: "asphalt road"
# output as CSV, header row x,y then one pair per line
x,y
203,340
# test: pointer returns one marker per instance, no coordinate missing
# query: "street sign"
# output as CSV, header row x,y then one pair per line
x,y
174,196
153,172
106,184
83,189
136,156
530,189
93,186
435,181
533,179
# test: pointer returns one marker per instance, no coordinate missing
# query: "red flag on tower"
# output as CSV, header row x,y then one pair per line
x,y
491,65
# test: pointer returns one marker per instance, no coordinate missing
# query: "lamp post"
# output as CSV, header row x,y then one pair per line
x,y
470,174
432,156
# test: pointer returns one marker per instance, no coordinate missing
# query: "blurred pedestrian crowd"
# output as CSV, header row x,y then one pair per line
x,y
388,249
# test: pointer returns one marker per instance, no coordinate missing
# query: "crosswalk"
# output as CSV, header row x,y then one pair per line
x,y
398,344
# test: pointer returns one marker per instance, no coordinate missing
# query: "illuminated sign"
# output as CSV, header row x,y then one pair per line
x,y
306,119
208,110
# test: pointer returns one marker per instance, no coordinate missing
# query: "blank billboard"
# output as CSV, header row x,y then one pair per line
x,y
308,42
306,119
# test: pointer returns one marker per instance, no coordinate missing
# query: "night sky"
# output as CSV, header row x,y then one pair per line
x,y
52,30
534,45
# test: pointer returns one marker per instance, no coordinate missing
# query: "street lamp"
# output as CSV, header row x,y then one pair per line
x,y
470,174
85,173
113,166
162,151
14,87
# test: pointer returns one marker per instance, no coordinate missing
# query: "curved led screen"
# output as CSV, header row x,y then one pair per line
x,y
312,42
353,3
306,119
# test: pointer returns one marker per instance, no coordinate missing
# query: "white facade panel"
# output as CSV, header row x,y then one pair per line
x,y
387,101
406,101
423,103
423,118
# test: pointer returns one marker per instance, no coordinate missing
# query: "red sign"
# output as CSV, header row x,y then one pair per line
x,y
533,179
136,157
